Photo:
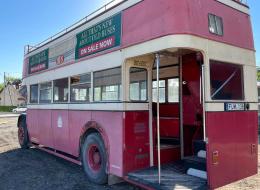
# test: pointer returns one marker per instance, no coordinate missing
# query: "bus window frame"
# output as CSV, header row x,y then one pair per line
x,y
147,73
53,94
120,87
243,99
89,91
39,95
30,94
166,89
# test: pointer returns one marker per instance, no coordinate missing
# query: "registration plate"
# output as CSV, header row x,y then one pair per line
x,y
234,106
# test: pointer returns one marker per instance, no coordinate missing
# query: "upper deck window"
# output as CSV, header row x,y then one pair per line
x,y
138,84
226,81
60,90
216,25
107,85
80,88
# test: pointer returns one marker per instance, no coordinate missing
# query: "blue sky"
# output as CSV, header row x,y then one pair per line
x,y
32,21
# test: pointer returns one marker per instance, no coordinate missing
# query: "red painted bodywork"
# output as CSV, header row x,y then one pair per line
x,y
126,135
45,128
156,18
136,141
60,134
232,135
32,121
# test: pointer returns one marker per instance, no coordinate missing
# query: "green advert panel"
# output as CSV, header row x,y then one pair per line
x,y
39,61
100,37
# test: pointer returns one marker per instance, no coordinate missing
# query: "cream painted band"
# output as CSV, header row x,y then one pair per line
x,y
210,49
235,5
210,107
92,106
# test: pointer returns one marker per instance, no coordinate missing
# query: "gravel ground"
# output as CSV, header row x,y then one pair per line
x,y
34,169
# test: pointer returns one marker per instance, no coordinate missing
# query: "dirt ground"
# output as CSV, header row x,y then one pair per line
x,y
34,169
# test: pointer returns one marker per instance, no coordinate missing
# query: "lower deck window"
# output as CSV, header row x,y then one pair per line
x,y
80,88
226,81
34,93
110,92
60,90
107,85
23,92
169,90
138,84
173,90
161,91
45,92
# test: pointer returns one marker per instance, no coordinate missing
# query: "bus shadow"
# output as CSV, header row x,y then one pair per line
x,y
34,169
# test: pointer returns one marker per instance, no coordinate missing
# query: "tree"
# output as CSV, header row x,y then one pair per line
x,y
13,80
258,75
1,87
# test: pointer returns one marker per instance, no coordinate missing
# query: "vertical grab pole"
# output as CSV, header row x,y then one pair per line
x,y
203,102
158,116
181,107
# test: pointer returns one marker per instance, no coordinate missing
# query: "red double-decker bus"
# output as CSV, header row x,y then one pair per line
x,y
160,93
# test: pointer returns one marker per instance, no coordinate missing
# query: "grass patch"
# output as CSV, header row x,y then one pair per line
x,y
7,108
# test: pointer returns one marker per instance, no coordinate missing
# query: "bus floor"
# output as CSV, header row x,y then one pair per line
x,y
173,176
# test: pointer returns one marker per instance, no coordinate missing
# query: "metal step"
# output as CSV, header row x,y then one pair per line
x,y
197,173
173,176
202,154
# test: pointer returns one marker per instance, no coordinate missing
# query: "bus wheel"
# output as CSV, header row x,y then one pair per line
x,y
23,137
94,158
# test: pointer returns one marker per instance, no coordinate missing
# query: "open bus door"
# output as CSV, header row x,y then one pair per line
x,y
231,125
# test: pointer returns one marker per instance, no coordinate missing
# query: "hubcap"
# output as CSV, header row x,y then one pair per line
x,y
94,158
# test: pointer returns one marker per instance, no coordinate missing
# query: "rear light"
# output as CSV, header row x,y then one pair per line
x,y
215,158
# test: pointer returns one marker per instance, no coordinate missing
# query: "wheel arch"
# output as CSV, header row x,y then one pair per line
x,y
22,117
94,127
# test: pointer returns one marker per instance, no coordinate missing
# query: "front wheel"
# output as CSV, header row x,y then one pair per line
x,y
23,137
94,158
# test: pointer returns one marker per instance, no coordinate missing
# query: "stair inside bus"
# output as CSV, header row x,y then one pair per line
x,y
189,173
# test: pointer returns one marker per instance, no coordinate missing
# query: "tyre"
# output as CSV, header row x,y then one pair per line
x,y
94,159
23,137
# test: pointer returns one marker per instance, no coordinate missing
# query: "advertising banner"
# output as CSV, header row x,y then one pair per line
x,y
39,61
100,37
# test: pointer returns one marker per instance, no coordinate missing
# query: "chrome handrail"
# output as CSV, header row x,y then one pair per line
x,y
109,5
242,1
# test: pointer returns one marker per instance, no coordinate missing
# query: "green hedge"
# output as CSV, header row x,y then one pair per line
x,y
6,108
